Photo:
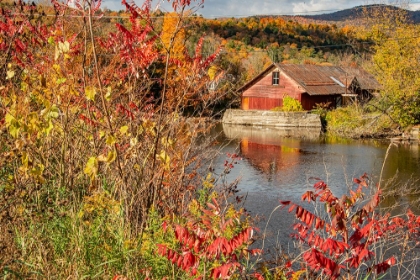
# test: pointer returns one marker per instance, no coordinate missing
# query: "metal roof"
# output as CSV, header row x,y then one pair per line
x,y
366,81
321,80
316,79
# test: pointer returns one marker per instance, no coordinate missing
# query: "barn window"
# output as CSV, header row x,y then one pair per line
x,y
276,78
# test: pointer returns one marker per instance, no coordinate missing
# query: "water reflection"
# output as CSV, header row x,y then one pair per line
x,y
281,163
401,177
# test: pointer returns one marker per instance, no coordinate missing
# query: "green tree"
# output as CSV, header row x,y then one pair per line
x,y
395,63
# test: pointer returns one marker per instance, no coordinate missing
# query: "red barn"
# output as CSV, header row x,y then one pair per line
x,y
310,84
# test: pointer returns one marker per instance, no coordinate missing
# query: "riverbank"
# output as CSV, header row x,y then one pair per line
x,y
336,123
356,123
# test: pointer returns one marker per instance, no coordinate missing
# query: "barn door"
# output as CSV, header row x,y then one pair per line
x,y
245,103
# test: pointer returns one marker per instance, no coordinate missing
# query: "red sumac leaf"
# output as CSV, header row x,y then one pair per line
x,y
320,185
257,276
299,212
179,261
357,181
384,266
309,196
292,207
285,202
162,249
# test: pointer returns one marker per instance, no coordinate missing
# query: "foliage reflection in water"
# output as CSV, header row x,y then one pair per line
x,y
282,164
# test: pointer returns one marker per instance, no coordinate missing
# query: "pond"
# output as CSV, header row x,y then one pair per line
x,y
281,164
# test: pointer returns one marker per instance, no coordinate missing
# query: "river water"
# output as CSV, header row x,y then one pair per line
x,y
281,164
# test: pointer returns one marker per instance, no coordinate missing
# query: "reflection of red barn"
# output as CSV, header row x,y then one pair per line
x,y
310,84
269,158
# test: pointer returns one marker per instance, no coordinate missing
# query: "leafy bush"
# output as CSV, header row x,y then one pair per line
x,y
291,105
210,240
354,121
322,109
348,237
82,106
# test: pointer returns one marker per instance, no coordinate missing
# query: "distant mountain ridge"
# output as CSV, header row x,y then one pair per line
x,y
357,12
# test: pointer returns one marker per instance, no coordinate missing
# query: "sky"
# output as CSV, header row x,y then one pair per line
x,y
239,8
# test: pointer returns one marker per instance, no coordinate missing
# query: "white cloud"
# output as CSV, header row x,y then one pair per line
x,y
237,8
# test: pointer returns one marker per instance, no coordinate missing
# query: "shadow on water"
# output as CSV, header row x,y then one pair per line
x,y
281,164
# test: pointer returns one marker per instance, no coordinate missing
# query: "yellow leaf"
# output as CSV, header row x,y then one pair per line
x,y
51,40
296,275
165,159
110,140
37,173
91,168
112,155
9,119
124,129
13,125
212,72
108,93
60,81
90,93
50,127
25,159
57,68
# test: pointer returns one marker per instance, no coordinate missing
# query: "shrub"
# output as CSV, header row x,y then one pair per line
x,y
291,105
348,237
210,240
355,121
81,105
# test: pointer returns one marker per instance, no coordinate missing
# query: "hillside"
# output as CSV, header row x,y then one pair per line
x,y
357,12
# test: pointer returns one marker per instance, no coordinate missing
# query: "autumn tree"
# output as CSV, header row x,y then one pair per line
x,y
173,35
395,62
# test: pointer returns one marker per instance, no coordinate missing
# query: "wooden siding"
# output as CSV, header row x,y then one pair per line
x,y
265,96
257,103
309,102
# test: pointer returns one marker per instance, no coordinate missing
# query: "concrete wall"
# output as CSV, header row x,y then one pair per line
x,y
269,135
271,118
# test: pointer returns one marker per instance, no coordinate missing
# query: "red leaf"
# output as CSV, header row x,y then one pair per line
x,y
309,196
285,202
258,276
320,185
317,261
383,267
292,207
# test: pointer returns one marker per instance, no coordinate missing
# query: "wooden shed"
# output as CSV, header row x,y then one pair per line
x,y
310,84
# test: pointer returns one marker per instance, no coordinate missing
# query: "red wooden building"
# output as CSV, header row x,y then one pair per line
x,y
310,84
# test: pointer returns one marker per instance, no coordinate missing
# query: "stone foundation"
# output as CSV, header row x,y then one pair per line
x,y
271,118
269,135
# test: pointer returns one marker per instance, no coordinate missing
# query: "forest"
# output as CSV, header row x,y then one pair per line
x,y
105,163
